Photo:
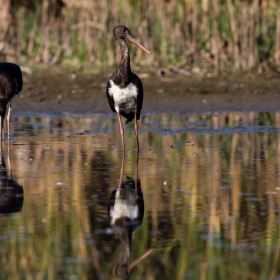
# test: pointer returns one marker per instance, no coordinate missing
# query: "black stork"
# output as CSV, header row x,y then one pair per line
x,y
10,85
125,213
124,88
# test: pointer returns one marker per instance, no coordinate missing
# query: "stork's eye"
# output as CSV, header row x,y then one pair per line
x,y
124,30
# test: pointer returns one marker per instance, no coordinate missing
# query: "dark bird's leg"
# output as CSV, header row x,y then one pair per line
x,y
1,134
1,128
9,162
8,118
1,146
121,173
121,131
136,130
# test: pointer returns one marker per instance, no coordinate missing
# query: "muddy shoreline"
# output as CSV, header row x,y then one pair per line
x,y
55,90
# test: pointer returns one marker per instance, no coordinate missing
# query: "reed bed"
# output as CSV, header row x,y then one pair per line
x,y
228,35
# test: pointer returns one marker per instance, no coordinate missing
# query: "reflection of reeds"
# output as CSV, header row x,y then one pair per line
x,y
223,34
212,207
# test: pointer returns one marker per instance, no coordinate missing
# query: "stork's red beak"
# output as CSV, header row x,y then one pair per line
x,y
135,42
135,262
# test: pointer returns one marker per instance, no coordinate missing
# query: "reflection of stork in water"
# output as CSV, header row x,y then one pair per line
x,y
125,212
11,193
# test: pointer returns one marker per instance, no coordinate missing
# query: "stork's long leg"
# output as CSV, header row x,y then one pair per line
x,y
136,130
1,129
136,170
8,118
1,141
121,131
9,169
121,172
9,163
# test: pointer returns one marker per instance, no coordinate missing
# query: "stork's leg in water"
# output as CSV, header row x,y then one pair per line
x,y
9,164
121,172
1,128
8,118
136,130
136,170
1,133
121,131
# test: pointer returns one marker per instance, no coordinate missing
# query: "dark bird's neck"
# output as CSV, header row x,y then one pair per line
x,y
122,74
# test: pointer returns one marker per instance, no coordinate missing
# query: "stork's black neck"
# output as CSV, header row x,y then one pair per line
x,y
122,74
125,236
122,268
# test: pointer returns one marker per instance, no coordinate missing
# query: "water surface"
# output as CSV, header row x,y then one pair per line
x,y
210,184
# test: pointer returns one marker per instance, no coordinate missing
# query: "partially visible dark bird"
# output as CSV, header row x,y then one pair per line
x,y
124,88
125,213
10,85
11,193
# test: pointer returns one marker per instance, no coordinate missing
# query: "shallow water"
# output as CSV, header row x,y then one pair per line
x,y
210,184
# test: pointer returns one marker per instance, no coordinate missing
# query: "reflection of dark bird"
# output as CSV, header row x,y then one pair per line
x,y
125,212
10,85
124,88
11,193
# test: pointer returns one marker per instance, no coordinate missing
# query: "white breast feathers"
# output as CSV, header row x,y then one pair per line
x,y
123,95
123,209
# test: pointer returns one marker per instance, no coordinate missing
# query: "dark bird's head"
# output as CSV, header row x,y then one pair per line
x,y
121,32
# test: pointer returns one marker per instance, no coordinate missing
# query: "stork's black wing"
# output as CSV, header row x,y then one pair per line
x,y
137,82
10,80
110,98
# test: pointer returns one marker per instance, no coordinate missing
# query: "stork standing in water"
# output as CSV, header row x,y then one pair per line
x,y
10,85
125,213
124,88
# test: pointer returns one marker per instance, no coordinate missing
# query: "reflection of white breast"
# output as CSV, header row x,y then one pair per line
x,y
123,209
123,95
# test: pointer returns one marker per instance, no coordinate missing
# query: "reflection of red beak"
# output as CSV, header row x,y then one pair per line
x,y
135,262
135,42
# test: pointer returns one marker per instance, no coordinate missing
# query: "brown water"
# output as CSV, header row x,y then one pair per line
x,y
210,185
